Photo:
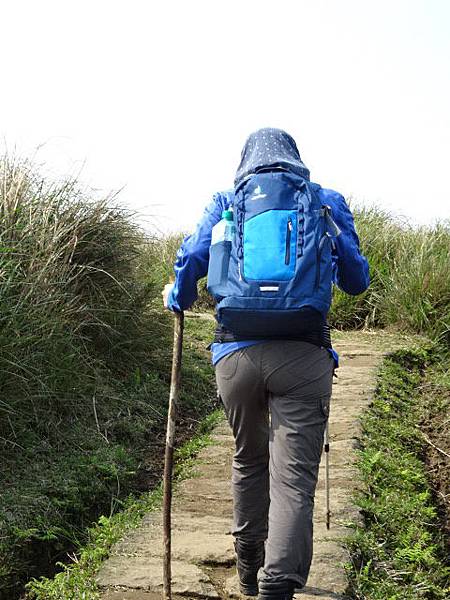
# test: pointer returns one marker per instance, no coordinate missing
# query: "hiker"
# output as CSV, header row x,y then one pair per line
x,y
281,243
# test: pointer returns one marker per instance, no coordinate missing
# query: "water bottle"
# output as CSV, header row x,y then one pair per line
x,y
224,230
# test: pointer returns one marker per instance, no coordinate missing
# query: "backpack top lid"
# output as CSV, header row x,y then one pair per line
x,y
270,148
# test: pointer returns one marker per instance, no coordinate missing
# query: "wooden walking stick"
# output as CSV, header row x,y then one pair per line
x,y
168,458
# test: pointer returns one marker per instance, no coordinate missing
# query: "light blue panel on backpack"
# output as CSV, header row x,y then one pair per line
x,y
270,245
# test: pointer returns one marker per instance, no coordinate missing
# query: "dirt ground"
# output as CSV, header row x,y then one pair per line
x,y
202,548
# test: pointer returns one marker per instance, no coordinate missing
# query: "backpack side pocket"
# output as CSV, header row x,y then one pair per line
x,y
219,262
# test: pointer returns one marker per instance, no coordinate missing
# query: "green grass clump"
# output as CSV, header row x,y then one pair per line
x,y
410,279
398,552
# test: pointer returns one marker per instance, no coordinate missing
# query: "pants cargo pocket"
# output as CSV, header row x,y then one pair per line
x,y
324,405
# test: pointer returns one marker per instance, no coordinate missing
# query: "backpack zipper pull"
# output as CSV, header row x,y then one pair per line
x,y
330,221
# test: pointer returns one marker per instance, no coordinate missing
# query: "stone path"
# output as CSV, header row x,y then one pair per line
x,y
202,547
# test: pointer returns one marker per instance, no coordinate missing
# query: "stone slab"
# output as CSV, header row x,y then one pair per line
x,y
145,573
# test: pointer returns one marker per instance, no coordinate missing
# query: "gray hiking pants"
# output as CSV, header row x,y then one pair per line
x,y
276,396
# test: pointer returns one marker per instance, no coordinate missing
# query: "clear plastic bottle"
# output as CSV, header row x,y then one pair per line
x,y
225,229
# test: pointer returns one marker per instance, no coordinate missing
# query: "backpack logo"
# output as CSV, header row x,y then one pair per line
x,y
257,194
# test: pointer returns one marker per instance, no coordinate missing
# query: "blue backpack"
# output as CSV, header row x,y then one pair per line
x,y
274,279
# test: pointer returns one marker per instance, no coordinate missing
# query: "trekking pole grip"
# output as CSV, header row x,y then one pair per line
x,y
168,458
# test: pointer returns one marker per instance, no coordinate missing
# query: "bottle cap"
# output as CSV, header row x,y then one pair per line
x,y
227,214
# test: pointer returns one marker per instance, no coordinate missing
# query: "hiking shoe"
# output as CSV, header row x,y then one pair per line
x,y
282,590
250,557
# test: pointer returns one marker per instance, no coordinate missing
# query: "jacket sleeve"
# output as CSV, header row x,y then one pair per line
x,y
350,267
192,259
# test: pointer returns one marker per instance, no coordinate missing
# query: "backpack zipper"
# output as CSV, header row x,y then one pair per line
x,y
287,255
326,212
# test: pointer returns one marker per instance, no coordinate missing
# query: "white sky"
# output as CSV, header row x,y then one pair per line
x,y
159,97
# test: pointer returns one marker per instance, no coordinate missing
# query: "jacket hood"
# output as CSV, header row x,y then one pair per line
x,y
270,148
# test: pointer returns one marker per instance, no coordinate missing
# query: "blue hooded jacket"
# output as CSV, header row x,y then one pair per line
x,y
267,149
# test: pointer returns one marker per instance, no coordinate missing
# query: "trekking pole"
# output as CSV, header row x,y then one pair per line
x,y
327,472
168,458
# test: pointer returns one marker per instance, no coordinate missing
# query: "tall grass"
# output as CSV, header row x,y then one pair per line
x,y
410,277
68,290
158,259
77,327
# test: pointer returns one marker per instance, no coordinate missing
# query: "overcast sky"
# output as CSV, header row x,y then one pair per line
x,y
158,98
